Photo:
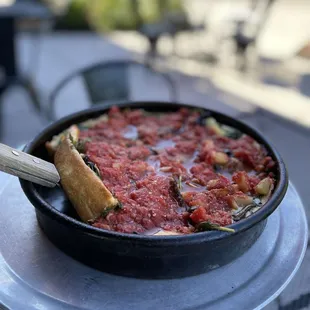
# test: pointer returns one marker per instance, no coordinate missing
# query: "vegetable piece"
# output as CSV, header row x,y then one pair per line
x,y
242,180
256,145
263,187
205,226
175,192
223,130
220,158
192,184
165,169
179,182
214,125
242,213
220,182
238,201
243,200
232,202
265,198
167,233
248,210
119,206
231,132
80,144
91,165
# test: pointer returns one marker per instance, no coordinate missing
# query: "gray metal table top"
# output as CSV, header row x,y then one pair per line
x,y
34,274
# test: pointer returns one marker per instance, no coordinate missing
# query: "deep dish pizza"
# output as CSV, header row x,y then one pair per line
x,y
180,172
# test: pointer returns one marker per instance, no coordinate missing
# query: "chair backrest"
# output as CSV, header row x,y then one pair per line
x,y
107,82
110,81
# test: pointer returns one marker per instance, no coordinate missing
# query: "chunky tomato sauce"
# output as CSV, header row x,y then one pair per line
x,y
176,170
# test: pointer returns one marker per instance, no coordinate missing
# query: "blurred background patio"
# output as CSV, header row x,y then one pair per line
x,y
246,58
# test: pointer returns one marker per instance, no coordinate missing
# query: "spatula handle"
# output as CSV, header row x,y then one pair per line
x,y
27,167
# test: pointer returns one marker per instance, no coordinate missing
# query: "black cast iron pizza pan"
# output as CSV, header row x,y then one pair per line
x,y
142,255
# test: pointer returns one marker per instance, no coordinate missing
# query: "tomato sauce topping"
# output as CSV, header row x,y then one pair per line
x,y
176,170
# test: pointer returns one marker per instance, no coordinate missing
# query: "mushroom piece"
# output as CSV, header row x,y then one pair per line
x,y
242,180
167,233
263,187
243,200
214,125
238,201
220,158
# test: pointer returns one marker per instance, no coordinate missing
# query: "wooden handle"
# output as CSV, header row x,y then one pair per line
x,y
28,167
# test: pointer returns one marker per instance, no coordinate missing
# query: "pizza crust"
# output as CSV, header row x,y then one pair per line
x,y
83,187
52,145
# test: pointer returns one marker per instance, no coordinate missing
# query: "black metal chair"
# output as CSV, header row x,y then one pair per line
x,y
170,23
10,17
242,39
110,81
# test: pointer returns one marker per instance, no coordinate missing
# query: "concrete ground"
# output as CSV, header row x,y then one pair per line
x,y
60,54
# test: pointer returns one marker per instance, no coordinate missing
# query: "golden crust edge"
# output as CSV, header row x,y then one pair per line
x,y
52,145
83,187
